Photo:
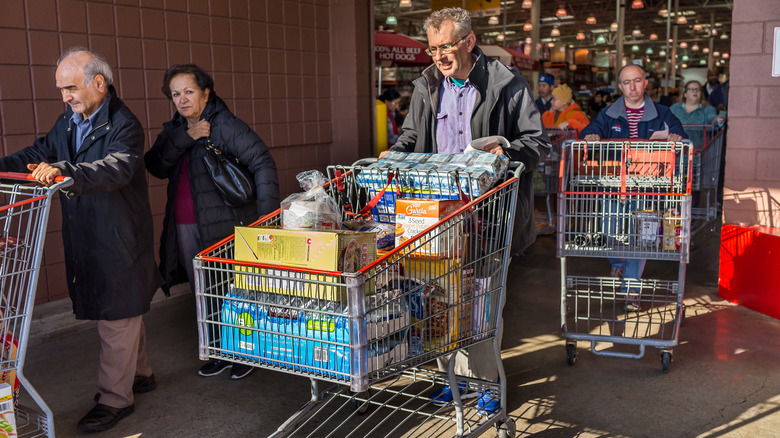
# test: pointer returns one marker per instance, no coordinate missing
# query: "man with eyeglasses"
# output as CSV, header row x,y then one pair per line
x,y
466,95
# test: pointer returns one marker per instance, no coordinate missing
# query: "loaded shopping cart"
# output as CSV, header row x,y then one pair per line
x,y
708,145
23,217
546,174
628,201
366,334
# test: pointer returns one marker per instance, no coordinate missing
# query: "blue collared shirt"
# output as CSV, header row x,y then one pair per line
x,y
84,126
453,120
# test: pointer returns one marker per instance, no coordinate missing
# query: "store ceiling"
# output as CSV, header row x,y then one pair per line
x,y
647,20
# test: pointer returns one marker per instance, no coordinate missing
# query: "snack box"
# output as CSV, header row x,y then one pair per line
x,y
413,216
326,250
7,411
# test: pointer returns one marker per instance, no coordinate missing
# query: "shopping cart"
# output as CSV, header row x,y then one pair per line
x,y
546,174
23,218
368,332
708,141
627,200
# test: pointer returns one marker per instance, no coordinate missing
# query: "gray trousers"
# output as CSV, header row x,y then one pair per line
x,y
188,238
122,357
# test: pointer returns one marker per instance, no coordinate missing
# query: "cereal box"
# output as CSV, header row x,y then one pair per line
x,y
413,216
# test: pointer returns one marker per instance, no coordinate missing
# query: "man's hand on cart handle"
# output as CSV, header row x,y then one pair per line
x,y
592,137
44,173
674,137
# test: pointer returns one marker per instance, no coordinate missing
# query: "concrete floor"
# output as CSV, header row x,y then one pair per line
x,y
724,379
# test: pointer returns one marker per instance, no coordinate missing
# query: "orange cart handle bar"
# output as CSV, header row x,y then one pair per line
x,y
25,176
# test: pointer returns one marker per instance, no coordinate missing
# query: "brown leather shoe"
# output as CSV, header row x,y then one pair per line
x,y
143,384
103,417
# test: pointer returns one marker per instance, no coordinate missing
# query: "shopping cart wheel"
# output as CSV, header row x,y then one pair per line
x,y
506,429
666,360
571,353
358,406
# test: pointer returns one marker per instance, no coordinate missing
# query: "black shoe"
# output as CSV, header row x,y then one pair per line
x,y
143,384
214,367
240,371
103,417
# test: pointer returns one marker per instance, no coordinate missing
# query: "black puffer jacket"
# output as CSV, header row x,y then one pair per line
x,y
215,220
106,218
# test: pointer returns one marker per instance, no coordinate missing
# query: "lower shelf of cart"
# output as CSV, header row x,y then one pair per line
x,y
399,407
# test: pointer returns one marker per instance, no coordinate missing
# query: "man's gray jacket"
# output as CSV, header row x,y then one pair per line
x,y
504,106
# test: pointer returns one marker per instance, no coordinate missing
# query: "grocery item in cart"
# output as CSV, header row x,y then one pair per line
x,y
7,411
414,216
245,339
385,233
312,209
648,222
326,250
394,156
672,228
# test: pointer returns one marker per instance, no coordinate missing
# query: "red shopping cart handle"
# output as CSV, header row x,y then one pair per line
x,y
25,176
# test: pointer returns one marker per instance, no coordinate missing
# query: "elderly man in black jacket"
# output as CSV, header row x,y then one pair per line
x,y
106,225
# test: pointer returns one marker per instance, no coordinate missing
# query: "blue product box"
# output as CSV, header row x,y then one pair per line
x,y
283,346
245,342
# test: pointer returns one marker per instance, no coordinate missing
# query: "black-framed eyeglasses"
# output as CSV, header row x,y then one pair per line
x,y
444,48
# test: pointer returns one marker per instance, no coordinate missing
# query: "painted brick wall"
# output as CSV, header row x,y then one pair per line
x,y
752,178
297,71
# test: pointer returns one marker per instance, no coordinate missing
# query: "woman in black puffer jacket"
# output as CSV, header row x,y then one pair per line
x,y
195,215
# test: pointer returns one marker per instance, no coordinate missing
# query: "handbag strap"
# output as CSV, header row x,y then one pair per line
x,y
211,147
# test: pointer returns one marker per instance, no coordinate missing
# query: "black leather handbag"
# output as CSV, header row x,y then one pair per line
x,y
234,182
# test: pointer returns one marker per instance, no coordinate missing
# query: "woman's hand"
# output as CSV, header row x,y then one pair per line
x,y
200,129
563,125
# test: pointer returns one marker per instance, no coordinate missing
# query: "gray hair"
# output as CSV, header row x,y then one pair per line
x,y
460,17
97,65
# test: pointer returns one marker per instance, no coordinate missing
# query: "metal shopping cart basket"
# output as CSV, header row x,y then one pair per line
x,y
367,333
546,174
623,200
708,141
23,217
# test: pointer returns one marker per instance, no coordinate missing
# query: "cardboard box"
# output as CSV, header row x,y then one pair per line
x,y
413,216
327,250
7,411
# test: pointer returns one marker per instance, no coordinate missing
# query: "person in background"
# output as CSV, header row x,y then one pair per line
x,y
106,225
564,112
195,214
694,110
713,80
463,96
720,97
402,111
392,98
633,115
656,93
595,104
545,86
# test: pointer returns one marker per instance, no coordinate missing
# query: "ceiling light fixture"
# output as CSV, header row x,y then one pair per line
x,y
697,27
637,4
613,27
551,44
663,12
682,20
590,20
716,53
725,55
705,50
634,48
493,20
555,32
528,27
500,37
653,37
636,33
527,4
391,20
649,51
695,47
580,35
561,12
683,45
723,36
405,4
662,53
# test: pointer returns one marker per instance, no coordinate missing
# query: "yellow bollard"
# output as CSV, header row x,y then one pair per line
x,y
381,127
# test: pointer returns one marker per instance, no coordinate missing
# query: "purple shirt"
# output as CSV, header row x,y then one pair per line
x,y
453,120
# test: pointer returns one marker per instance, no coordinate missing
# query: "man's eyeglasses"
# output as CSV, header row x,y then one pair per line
x,y
444,49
